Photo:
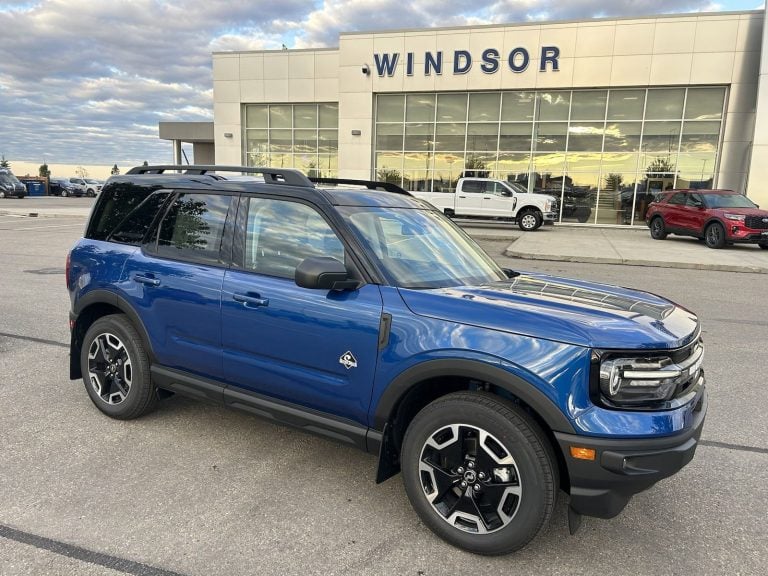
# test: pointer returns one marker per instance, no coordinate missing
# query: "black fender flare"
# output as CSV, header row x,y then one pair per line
x,y
100,296
476,370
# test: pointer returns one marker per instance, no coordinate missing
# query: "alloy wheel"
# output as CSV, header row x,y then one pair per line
x,y
470,478
528,221
110,370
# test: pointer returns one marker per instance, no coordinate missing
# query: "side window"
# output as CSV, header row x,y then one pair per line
x,y
280,234
695,200
134,227
473,186
677,199
497,189
193,227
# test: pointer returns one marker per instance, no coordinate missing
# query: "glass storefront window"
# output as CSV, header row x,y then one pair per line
x,y
700,137
664,103
328,141
515,136
328,115
588,105
390,108
580,196
389,137
419,136
450,137
704,103
626,104
305,116
482,137
661,137
622,136
484,107
517,106
582,162
512,166
280,117
305,141
585,136
451,107
551,136
256,116
553,105
280,141
420,108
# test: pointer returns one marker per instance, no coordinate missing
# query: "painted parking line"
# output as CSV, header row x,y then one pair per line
x,y
78,224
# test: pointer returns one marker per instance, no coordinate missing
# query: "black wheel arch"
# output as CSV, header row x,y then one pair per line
x,y
421,384
94,305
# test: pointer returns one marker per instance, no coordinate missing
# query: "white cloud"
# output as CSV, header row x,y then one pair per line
x,y
86,81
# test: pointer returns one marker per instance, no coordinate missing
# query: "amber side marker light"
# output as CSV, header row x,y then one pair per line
x,y
582,453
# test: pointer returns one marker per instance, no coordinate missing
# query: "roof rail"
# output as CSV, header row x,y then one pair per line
x,y
370,184
283,176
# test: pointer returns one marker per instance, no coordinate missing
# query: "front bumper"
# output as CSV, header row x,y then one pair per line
x,y
550,216
622,468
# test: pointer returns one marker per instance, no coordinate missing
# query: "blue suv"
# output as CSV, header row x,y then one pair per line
x,y
362,314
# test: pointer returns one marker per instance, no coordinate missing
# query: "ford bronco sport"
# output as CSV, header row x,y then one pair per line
x,y
365,315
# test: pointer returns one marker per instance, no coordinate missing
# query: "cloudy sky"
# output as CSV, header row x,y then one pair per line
x,y
86,81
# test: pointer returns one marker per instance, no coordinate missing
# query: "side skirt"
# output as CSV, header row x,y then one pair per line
x,y
278,411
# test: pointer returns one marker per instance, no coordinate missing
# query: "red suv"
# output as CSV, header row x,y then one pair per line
x,y
718,217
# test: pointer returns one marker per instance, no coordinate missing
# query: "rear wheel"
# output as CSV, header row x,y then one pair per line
x,y
658,230
449,212
529,220
763,244
2,194
714,235
64,193
115,368
479,472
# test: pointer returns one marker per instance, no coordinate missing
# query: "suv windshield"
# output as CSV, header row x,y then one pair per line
x,y
728,201
8,179
421,248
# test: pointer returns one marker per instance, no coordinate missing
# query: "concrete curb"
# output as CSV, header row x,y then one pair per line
x,y
634,262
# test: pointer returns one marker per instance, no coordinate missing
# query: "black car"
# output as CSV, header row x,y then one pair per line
x,y
10,185
63,187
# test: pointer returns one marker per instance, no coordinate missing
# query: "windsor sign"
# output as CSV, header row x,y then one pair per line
x,y
518,60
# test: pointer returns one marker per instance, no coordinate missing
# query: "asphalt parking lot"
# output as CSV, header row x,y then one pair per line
x,y
199,490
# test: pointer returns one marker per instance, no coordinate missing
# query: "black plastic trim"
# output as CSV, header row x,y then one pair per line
x,y
369,184
624,467
279,411
476,370
279,176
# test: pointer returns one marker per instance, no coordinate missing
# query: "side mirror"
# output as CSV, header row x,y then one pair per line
x,y
323,273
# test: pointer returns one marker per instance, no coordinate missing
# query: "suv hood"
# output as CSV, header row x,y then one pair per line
x,y
564,310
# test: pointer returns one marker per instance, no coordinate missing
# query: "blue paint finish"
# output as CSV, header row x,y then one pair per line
x,y
490,60
519,60
462,61
433,63
386,63
550,55
291,348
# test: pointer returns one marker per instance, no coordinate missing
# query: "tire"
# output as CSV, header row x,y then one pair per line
x,y
115,369
529,220
763,245
64,194
2,194
449,212
513,465
658,230
714,235
90,193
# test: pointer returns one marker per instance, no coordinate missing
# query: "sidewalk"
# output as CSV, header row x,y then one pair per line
x,y
633,247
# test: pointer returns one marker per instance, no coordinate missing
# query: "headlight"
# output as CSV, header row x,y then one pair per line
x,y
737,217
548,206
648,380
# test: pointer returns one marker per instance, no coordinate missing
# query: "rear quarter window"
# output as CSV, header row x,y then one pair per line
x,y
115,203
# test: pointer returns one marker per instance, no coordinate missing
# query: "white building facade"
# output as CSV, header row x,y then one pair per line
x,y
602,113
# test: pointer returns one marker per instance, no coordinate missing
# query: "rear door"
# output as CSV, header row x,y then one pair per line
x,y
469,198
674,211
174,282
317,348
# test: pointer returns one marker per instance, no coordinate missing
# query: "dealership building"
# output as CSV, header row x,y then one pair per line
x,y
603,113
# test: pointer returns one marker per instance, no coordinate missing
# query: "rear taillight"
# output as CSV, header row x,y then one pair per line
x,y
66,268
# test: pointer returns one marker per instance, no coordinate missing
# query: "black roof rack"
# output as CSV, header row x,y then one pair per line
x,y
284,176
370,184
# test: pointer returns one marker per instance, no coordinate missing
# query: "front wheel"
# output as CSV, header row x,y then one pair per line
x,y
479,472
658,230
763,244
64,193
529,220
115,368
714,235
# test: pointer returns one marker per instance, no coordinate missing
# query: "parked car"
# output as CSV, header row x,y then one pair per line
x,y
718,217
92,187
489,198
10,186
63,187
369,317
80,183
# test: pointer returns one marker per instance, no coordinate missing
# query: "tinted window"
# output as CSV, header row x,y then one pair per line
x,y
728,201
678,199
473,186
135,226
280,234
115,203
193,227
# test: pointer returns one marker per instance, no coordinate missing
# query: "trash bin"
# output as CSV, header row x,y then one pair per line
x,y
35,188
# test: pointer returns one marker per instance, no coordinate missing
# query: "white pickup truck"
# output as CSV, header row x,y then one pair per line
x,y
484,197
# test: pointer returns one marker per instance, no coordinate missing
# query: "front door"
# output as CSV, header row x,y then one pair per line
x,y
498,200
317,348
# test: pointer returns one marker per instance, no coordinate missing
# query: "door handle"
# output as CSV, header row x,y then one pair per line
x,y
486,197
146,280
247,300
462,196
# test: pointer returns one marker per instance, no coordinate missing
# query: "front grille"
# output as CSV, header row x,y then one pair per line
x,y
756,222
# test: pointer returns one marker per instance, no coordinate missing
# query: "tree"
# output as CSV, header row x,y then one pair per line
x,y
81,172
145,163
661,167
115,170
44,171
475,167
4,163
613,182
388,175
